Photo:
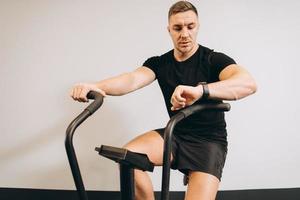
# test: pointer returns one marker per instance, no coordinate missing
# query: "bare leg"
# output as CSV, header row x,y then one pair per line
x,y
202,186
150,143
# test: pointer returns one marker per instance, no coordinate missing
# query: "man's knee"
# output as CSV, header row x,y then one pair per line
x,y
202,186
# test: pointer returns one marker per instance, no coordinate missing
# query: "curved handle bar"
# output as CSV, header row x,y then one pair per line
x,y
201,107
168,139
98,100
93,107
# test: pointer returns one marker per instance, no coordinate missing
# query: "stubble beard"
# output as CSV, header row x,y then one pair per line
x,y
183,51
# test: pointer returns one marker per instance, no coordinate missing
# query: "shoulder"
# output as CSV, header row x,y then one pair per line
x,y
205,49
204,52
217,61
157,60
167,56
214,57
217,58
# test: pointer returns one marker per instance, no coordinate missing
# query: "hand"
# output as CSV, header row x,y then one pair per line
x,y
185,96
80,91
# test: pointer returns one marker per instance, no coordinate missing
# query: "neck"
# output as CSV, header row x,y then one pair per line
x,y
182,56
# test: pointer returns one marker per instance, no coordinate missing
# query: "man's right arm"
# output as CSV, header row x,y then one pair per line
x,y
115,86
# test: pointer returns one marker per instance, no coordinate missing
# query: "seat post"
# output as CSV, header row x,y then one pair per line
x,y
127,182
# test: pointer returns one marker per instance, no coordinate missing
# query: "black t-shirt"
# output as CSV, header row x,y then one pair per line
x,y
204,65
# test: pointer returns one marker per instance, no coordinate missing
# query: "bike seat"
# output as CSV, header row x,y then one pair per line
x,y
126,157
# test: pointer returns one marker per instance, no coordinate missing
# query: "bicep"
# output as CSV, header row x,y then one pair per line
x,y
232,71
239,80
142,77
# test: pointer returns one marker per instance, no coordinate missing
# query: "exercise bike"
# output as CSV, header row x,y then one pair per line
x,y
129,160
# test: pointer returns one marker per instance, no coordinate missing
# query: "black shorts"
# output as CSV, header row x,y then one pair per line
x,y
200,155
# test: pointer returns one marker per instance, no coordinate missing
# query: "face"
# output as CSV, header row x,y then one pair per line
x,y
183,28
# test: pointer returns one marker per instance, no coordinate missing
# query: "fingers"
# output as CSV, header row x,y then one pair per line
x,y
79,91
177,100
176,104
177,107
183,96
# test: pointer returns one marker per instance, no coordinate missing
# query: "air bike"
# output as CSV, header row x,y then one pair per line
x,y
129,160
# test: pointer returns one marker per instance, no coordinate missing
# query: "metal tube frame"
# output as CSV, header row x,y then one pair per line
x,y
127,173
168,135
127,182
95,105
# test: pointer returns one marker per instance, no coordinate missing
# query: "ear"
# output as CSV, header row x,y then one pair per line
x,y
168,28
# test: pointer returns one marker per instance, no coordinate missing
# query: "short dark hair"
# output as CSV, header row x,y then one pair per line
x,y
182,6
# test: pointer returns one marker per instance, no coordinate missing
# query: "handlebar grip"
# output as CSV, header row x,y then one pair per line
x,y
96,104
94,95
199,107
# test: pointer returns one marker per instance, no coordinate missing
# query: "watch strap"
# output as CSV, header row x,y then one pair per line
x,y
205,94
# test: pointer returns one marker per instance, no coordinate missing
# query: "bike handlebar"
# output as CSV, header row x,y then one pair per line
x,y
168,139
96,104
88,111
98,100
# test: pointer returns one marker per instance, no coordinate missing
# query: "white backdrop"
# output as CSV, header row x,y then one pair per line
x,y
47,46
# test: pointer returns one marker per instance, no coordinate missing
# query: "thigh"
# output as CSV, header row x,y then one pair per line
x,y
200,155
150,143
202,186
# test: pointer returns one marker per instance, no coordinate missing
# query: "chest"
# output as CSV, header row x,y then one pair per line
x,y
190,73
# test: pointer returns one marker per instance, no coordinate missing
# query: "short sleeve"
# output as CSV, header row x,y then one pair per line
x,y
219,61
153,64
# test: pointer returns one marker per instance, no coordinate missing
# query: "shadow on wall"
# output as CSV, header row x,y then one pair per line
x,y
41,162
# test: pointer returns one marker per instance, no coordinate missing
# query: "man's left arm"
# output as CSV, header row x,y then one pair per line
x,y
235,83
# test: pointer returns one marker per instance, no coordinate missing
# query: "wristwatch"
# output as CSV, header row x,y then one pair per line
x,y
205,94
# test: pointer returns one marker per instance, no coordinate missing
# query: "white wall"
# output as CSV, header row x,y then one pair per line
x,y
47,46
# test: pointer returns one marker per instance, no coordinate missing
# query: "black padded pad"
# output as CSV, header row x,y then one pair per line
x,y
126,157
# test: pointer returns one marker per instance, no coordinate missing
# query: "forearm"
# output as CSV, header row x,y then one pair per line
x,y
127,82
236,87
118,85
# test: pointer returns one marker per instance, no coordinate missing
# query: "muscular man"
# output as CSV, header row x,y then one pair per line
x,y
188,74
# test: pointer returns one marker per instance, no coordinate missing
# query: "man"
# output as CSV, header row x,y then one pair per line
x,y
188,74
